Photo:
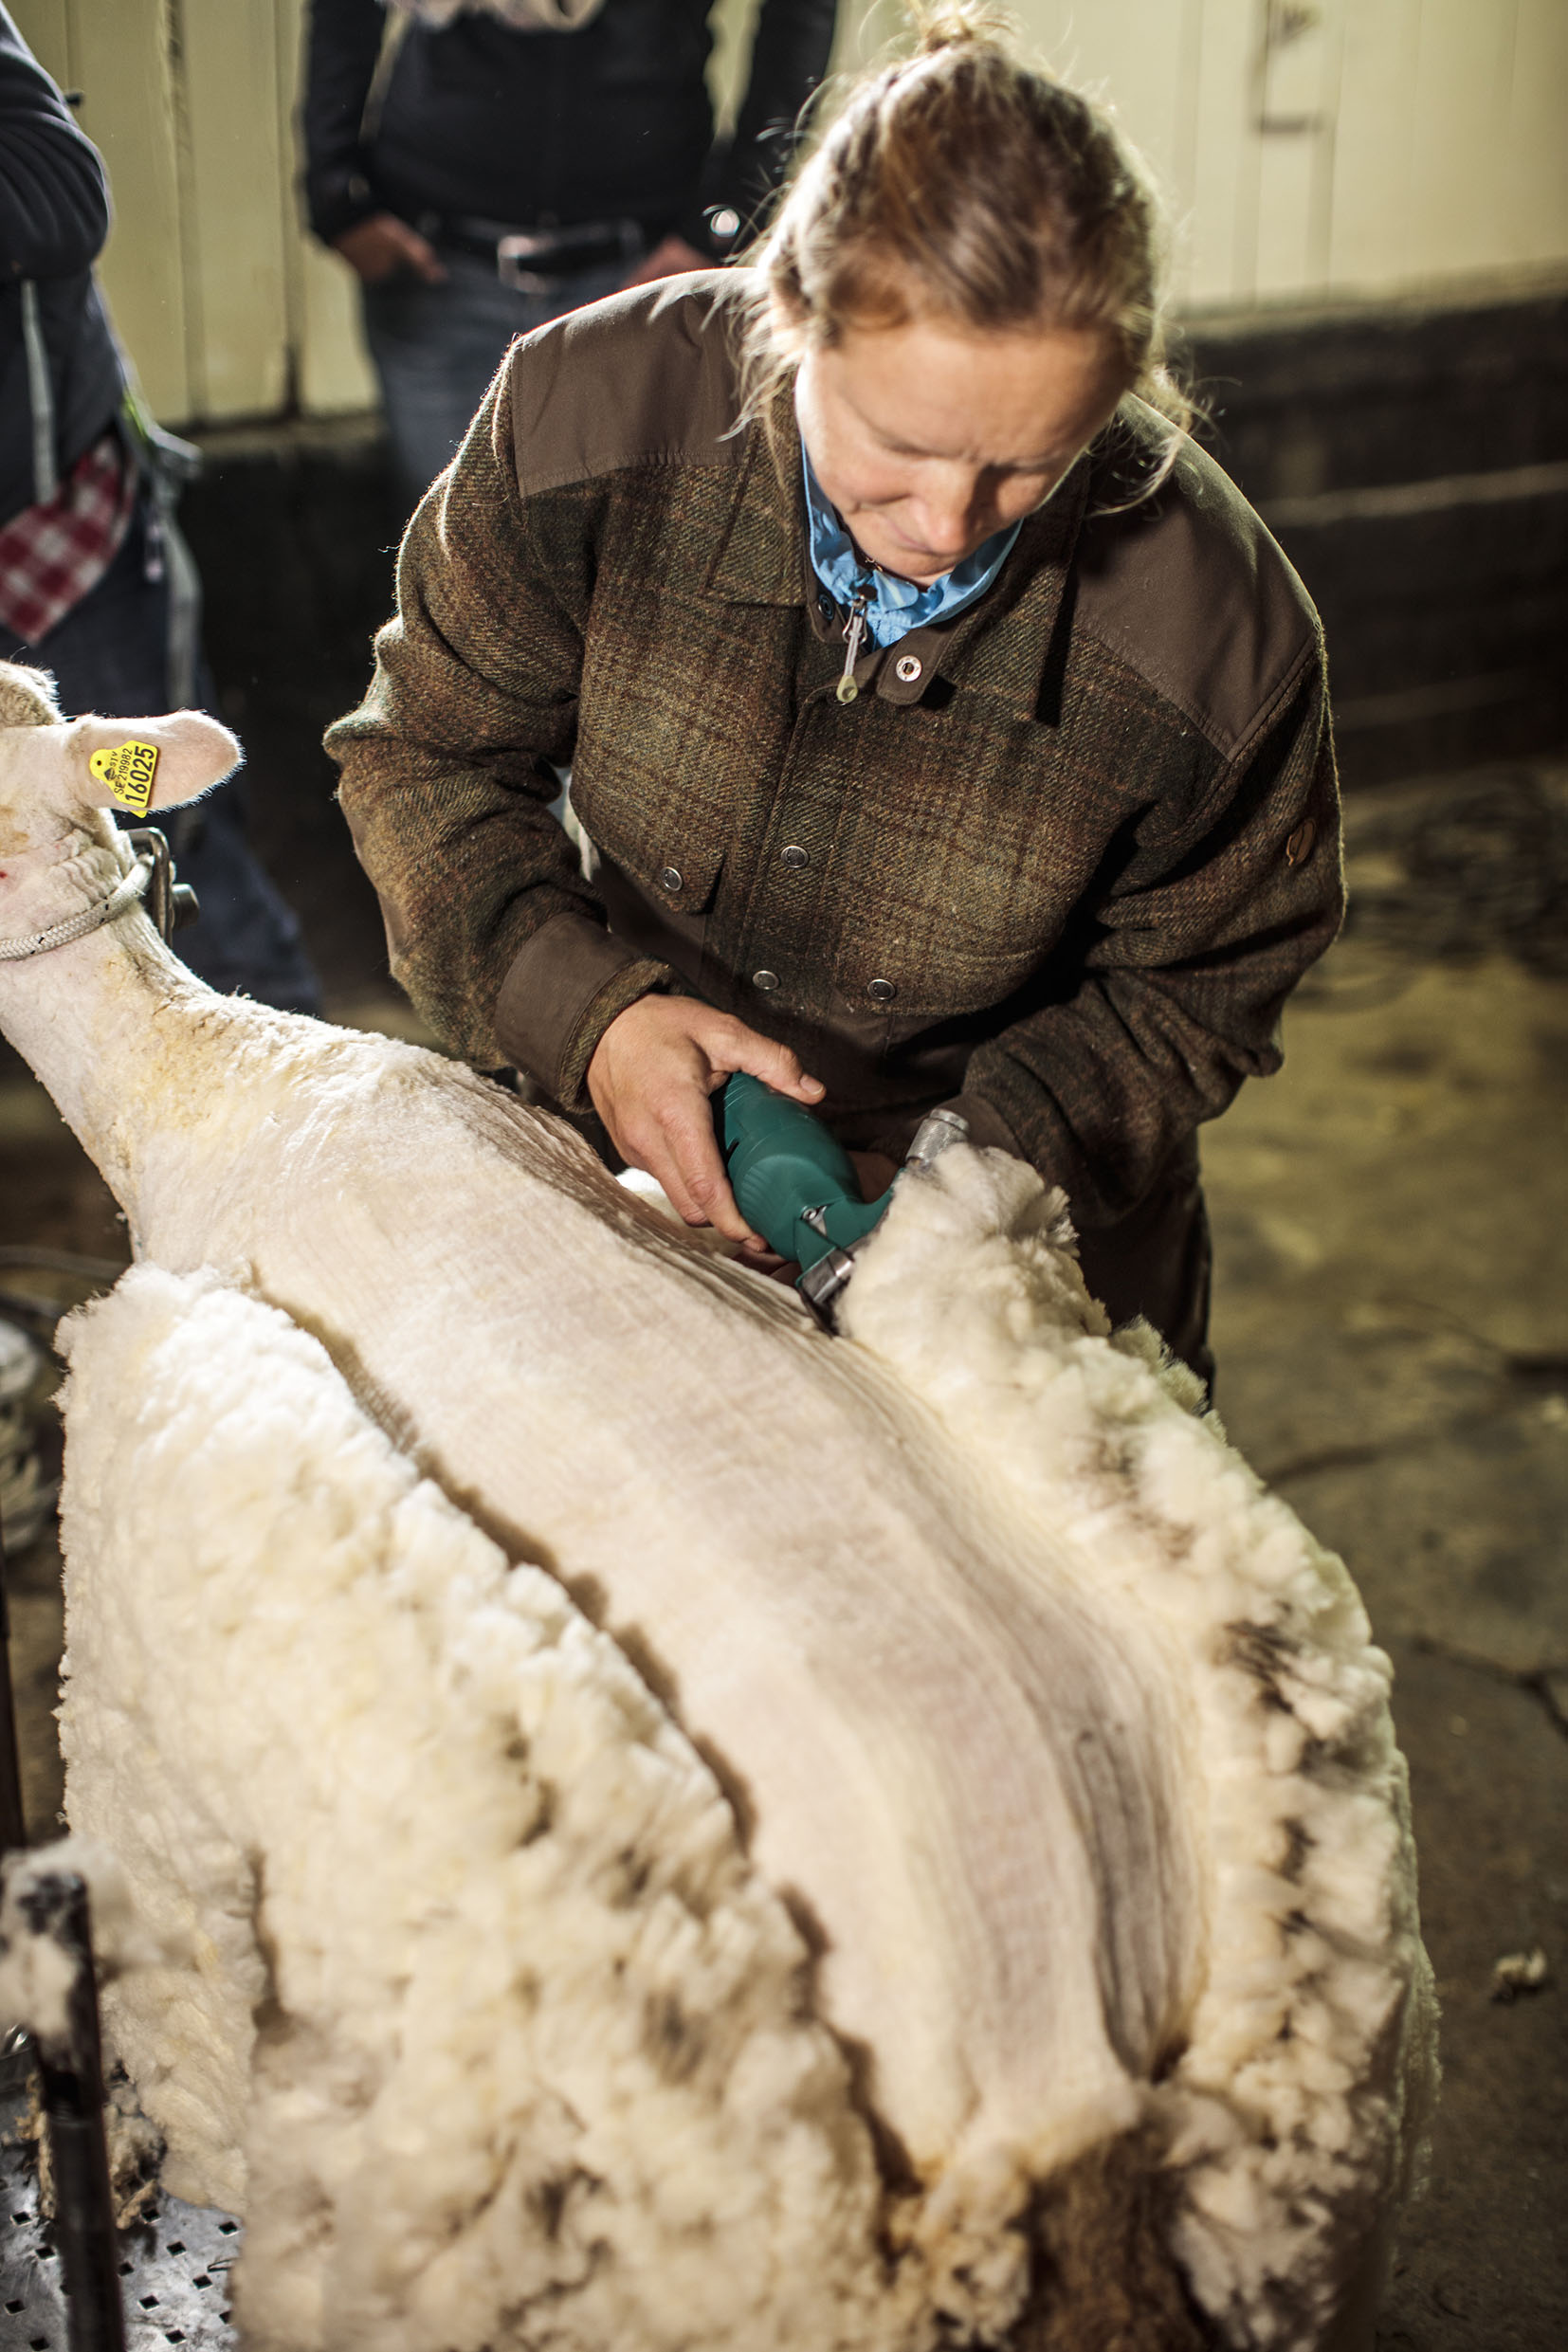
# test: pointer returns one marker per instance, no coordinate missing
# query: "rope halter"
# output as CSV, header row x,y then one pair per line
x,y
152,876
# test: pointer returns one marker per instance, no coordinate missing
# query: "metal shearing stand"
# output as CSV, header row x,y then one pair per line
x,y
12,1828
69,2065
70,2076
77,2284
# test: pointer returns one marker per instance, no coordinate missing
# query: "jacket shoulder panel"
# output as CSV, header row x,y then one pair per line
x,y
1190,590
644,377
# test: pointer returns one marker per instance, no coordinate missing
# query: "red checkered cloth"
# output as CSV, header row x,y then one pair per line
x,y
51,554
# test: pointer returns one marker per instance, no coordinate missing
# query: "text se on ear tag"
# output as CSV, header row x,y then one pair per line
x,y
128,770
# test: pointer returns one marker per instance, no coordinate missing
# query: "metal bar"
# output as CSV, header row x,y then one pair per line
x,y
70,2074
13,1831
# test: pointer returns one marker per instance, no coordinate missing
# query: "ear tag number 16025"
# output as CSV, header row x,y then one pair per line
x,y
128,770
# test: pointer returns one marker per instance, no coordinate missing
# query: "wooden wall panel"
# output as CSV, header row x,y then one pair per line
x,y
1464,74
120,60
1438,154
1376,127
334,374
45,25
240,348
1293,117
1222,238
1533,161
1132,59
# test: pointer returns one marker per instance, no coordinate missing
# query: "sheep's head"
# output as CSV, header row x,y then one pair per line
x,y
54,772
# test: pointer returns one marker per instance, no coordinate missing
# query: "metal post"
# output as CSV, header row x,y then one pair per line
x,y
13,1823
71,2073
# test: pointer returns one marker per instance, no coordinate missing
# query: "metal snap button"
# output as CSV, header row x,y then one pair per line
x,y
765,979
795,855
726,223
909,667
882,992
669,879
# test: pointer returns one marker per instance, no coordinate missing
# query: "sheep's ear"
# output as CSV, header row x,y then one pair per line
x,y
141,764
27,697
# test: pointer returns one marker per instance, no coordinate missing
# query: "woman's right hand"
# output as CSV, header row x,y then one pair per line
x,y
379,248
651,1080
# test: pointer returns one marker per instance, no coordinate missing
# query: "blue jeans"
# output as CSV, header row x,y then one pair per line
x,y
436,347
111,654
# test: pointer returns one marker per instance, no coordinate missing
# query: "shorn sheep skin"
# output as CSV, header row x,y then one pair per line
x,y
675,1830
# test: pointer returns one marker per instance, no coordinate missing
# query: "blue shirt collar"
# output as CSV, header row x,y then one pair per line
x,y
894,607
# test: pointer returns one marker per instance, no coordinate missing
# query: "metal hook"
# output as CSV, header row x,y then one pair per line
x,y
170,903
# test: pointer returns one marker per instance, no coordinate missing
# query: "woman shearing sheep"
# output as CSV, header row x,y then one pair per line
x,y
942,722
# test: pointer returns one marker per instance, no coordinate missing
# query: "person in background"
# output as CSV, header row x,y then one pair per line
x,y
945,728
486,165
96,584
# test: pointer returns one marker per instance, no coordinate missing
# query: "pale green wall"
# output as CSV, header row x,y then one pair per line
x,y
1407,144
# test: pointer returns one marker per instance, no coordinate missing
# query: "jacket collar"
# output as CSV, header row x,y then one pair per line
x,y
761,555
997,648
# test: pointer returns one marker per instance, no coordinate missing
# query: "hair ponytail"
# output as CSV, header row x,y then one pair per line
x,y
961,184
953,24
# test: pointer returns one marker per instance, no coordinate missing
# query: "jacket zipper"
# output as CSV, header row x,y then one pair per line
x,y
854,631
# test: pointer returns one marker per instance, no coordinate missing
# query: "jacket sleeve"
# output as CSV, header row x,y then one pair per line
x,y
54,198
448,777
790,52
340,56
1179,975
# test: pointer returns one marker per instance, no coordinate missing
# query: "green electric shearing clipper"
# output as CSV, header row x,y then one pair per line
x,y
795,1184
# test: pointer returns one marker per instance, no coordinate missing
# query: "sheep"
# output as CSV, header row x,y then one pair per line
x,y
1063,1747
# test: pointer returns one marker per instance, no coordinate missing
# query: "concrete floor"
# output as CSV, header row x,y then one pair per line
x,y
1391,1219
1392,1325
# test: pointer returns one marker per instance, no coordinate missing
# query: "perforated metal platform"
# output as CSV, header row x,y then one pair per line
x,y
173,2266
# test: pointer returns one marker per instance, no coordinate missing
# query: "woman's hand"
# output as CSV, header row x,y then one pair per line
x,y
650,1078
377,248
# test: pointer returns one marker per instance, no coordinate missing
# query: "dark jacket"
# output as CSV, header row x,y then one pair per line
x,y
54,217
611,122
1063,860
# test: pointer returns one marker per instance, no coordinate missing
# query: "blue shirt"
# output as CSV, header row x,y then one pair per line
x,y
894,607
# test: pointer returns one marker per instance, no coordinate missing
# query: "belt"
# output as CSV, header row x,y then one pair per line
x,y
535,260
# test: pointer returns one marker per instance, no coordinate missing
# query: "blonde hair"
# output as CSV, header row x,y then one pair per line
x,y
960,184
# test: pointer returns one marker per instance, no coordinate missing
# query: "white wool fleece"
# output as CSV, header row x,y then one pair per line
x,y
1069,1744
1297,2110
1294,2106
530,2047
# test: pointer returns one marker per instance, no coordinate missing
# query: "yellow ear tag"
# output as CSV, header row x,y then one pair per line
x,y
128,770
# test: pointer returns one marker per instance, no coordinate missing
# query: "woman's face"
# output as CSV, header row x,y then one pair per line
x,y
927,437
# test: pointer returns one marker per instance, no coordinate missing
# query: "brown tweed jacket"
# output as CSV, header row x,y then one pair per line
x,y
1060,862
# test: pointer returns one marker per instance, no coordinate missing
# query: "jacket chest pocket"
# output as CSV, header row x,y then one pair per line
x,y
682,721
947,901
670,844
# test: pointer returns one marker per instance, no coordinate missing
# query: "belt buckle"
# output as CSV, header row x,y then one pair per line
x,y
512,252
